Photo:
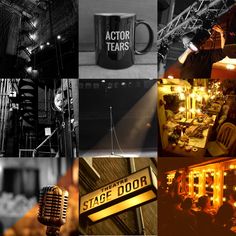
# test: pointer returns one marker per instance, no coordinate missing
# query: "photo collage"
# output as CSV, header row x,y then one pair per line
x,y
117,117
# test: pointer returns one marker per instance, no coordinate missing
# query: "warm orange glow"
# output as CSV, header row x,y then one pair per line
x,y
131,202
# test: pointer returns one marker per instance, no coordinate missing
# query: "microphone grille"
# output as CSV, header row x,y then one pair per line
x,y
53,202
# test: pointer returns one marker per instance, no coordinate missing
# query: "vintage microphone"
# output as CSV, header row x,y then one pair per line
x,y
53,203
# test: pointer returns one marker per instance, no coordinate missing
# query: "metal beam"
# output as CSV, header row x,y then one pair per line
x,y
189,19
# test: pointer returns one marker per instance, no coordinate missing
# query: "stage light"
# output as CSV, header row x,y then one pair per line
x,y
201,36
47,43
103,80
131,191
58,37
41,46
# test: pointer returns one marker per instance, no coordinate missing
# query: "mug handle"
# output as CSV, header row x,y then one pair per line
x,y
151,37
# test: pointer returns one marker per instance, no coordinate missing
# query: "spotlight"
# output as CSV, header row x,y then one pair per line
x,y
47,43
58,37
41,46
201,36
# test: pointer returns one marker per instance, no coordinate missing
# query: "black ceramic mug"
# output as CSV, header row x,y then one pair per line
x,y
115,39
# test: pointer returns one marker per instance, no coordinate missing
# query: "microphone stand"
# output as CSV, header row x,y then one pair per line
x,y
53,231
111,132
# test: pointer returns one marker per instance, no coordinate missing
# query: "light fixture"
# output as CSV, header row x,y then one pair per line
x,y
201,36
60,100
58,37
170,77
182,109
132,191
33,36
41,46
47,43
230,67
29,69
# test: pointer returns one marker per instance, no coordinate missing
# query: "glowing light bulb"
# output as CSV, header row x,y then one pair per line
x,y
230,67
199,98
170,77
29,69
225,173
181,109
231,166
58,37
181,96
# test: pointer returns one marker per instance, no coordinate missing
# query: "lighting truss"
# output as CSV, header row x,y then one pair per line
x,y
191,19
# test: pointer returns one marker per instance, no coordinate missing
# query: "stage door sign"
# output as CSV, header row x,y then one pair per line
x,y
131,191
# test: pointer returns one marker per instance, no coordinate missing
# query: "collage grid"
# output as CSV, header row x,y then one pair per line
x,y
117,117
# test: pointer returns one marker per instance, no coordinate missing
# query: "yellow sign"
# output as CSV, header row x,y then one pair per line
x,y
130,191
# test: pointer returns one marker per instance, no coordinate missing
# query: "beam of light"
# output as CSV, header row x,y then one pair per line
x,y
131,133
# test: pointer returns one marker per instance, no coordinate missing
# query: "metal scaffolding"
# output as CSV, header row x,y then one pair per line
x,y
192,18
